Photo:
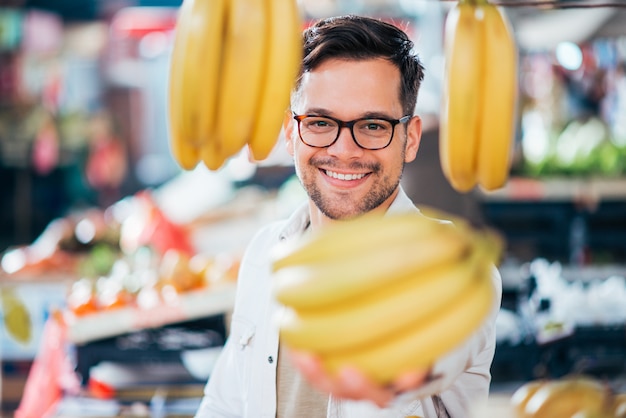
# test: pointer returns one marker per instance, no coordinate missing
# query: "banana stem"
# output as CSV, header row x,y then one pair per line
x,y
477,2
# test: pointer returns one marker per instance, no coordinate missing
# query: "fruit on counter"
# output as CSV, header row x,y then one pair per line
x,y
84,239
83,298
17,320
98,261
568,397
176,269
523,394
576,145
385,294
148,280
480,96
233,65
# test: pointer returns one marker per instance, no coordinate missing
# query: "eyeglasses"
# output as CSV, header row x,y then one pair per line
x,y
367,133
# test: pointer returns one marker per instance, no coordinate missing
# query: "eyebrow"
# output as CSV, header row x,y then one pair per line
x,y
318,111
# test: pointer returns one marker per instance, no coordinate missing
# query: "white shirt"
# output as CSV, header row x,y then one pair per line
x,y
243,382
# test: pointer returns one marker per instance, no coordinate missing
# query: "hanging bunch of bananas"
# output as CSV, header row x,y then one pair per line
x,y
385,294
477,126
232,69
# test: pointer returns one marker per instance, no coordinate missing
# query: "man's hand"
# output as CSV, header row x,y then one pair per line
x,y
350,383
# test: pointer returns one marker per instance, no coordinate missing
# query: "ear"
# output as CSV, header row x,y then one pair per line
x,y
414,137
288,128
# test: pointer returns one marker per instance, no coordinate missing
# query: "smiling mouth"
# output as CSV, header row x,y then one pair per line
x,y
347,177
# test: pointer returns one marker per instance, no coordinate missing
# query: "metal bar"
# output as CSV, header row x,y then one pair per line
x,y
564,4
556,4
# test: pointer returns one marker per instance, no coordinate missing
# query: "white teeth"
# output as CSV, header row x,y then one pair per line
x,y
344,176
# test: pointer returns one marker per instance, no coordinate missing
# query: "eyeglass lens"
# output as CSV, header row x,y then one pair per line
x,y
369,133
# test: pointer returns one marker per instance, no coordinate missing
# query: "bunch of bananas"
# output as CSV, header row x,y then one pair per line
x,y
385,294
569,397
480,96
233,65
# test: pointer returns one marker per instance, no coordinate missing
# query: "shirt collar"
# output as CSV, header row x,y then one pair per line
x,y
300,219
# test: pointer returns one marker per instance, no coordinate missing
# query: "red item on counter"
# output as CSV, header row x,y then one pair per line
x,y
161,233
51,374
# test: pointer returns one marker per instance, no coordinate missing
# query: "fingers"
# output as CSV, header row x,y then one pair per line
x,y
352,384
311,368
410,380
348,383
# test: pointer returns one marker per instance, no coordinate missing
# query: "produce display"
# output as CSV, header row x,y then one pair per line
x,y
126,267
233,66
84,242
178,288
385,294
480,96
133,282
568,397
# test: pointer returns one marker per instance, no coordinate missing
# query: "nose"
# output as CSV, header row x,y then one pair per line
x,y
345,145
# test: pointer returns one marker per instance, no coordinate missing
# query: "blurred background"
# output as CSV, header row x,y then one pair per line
x,y
89,190
83,98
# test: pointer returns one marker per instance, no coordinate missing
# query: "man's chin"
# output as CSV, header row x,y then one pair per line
x,y
342,213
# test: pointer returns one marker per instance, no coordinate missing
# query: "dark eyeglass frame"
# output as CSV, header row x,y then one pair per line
x,y
350,124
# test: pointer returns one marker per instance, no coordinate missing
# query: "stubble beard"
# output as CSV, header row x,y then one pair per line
x,y
343,206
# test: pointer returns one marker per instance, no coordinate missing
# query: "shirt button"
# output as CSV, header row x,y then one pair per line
x,y
270,359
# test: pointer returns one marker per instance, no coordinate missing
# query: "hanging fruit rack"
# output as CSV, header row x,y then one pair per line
x,y
558,4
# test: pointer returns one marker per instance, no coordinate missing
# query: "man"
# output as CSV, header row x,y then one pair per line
x,y
350,133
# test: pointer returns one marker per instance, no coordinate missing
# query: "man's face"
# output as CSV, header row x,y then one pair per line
x,y
344,180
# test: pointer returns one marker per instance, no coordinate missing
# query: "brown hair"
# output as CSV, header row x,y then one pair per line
x,y
358,38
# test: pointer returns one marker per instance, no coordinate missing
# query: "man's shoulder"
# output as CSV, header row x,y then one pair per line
x,y
278,229
269,232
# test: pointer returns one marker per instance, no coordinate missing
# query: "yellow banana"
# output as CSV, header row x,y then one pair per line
x,y
459,128
568,398
232,69
17,320
211,156
522,394
480,94
193,79
181,132
244,60
325,283
417,346
283,61
374,316
340,242
499,100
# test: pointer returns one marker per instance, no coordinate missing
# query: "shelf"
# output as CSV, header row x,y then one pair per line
x,y
559,189
192,305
